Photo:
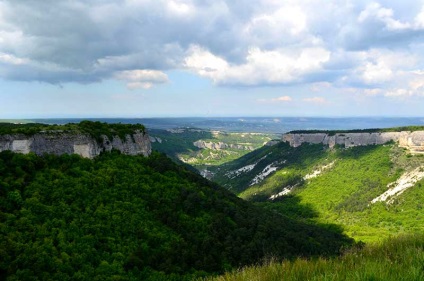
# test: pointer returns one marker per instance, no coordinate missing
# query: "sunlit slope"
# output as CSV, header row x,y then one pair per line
x,y
338,185
399,258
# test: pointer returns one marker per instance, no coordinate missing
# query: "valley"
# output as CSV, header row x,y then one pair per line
x,y
205,149
297,210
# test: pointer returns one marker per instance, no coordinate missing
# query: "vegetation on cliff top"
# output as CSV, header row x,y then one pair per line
x,y
382,130
121,217
93,128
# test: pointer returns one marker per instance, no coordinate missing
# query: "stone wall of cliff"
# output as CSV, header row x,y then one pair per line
x,y
221,145
414,141
82,144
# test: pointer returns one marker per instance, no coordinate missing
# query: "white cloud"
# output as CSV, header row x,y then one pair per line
x,y
373,92
141,78
287,19
317,100
277,100
348,44
11,59
180,8
283,98
380,66
385,15
260,67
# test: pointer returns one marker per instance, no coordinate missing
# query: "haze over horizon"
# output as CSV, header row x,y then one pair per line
x,y
185,58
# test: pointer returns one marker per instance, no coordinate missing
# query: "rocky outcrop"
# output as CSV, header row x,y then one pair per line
x,y
414,141
155,139
67,143
221,145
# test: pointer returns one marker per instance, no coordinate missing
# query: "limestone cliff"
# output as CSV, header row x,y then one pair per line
x,y
414,141
221,145
78,143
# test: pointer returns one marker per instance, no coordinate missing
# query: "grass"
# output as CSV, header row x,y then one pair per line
x,y
399,258
341,194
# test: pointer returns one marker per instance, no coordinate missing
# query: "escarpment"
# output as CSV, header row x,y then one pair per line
x,y
221,145
414,141
76,143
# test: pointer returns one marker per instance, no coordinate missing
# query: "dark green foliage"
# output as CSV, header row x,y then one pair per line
x,y
94,129
292,207
176,143
122,217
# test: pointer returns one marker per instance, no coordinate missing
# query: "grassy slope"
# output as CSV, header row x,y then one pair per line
x,y
396,259
342,193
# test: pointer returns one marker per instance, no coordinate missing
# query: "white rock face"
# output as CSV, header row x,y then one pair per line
x,y
236,173
396,188
285,191
266,172
83,150
414,141
81,144
317,172
155,139
21,146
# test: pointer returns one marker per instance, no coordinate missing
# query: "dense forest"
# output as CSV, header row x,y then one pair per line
x,y
121,217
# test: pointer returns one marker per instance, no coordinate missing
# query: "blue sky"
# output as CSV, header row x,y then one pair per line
x,y
157,58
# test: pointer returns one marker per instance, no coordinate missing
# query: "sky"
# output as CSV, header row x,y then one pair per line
x,y
176,58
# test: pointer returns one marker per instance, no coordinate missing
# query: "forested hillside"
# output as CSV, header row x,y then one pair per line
x,y
342,186
121,217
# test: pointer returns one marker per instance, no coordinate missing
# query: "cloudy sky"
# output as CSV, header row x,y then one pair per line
x,y
165,58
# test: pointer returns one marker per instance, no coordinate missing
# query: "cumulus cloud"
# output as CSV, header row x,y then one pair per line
x,y
141,78
349,44
261,67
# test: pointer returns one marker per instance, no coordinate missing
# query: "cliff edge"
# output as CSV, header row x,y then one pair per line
x,y
78,142
414,141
